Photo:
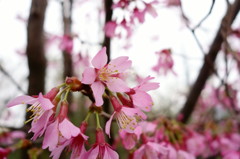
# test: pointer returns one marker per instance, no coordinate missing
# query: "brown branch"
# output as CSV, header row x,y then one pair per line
x,y
206,69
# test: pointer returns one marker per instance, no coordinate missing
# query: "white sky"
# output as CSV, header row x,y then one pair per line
x,y
168,26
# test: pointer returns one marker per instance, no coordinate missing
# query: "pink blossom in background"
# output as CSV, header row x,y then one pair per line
x,y
173,3
9,137
150,150
110,28
165,62
196,144
4,152
66,44
232,155
106,75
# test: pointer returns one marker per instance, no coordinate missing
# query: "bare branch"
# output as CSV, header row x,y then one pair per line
x,y
11,79
207,68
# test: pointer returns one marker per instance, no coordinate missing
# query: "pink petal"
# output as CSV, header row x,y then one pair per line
x,y
67,129
55,154
139,152
98,89
46,104
39,127
110,154
149,86
142,100
21,100
133,112
151,11
108,125
158,148
93,153
120,64
128,139
89,75
110,28
100,60
51,136
117,85
138,132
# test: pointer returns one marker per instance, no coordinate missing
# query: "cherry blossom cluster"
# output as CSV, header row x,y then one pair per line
x,y
166,138
11,141
50,117
165,62
133,11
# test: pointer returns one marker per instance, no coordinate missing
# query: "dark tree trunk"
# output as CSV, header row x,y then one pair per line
x,y
67,24
209,60
35,47
108,17
35,54
107,43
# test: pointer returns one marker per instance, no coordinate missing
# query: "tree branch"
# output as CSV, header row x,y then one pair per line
x,y
207,67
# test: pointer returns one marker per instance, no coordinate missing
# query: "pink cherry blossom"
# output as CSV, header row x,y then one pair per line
x,y
232,155
165,62
196,144
110,28
60,127
150,150
101,150
66,44
129,140
139,95
38,106
127,118
8,137
185,155
106,75
76,144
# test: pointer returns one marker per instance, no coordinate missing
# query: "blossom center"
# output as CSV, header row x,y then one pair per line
x,y
105,74
126,122
37,111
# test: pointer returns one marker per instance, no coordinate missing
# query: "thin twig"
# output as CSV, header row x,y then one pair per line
x,y
205,17
11,79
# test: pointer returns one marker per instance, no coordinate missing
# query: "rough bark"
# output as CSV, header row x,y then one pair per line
x,y
209,60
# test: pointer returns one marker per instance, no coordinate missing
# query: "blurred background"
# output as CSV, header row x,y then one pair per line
x,y
44,41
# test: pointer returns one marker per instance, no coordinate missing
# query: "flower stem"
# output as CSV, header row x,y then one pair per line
x,y
61,85
98,121
87,117
62,91
66,95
